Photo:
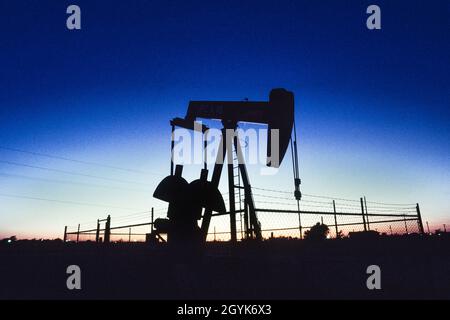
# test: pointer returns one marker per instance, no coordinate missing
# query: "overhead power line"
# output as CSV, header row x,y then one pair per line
x,y
114,218
69,182
46,155
65,201
71,172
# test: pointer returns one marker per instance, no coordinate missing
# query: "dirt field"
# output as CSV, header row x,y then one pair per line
x,y
411,268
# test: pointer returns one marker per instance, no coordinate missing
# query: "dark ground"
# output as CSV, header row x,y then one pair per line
x,y
411,268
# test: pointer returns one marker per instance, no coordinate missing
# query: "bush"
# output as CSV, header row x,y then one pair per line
x,y
317,232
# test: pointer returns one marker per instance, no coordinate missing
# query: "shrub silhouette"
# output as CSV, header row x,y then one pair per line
x,y
317,232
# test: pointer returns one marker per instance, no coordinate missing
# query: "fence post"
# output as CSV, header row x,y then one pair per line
x,y
367,213
129,234
97,233
445,229
363,215
406,226
65,234
299,221
390,229
335,219
419,220
428,228
78,233
108,229
151,230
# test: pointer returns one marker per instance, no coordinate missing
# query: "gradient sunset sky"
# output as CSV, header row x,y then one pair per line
x,y
372,107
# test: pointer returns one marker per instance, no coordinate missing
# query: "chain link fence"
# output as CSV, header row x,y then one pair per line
x,y
279,214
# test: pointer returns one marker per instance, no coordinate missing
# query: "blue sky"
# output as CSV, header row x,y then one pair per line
x,y
372,107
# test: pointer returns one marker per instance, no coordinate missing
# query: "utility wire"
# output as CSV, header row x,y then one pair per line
x,y
69,182
79,161
115,218
71,172
65,201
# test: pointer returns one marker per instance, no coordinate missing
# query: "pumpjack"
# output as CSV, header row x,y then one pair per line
x,y
190,202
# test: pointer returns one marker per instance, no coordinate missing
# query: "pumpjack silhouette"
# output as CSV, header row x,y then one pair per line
x,y
190,202
186,202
